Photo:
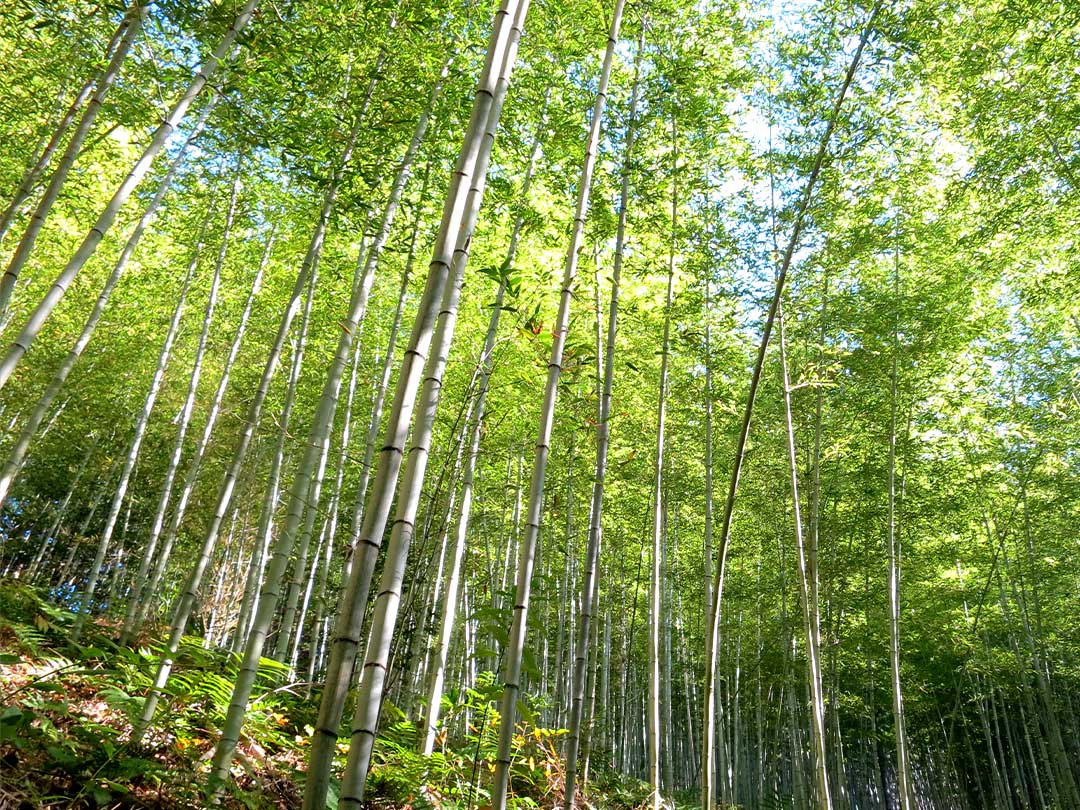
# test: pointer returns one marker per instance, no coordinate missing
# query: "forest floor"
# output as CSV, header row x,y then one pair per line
x,y
66,717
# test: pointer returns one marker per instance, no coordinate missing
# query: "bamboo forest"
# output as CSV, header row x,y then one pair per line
x,y
495,404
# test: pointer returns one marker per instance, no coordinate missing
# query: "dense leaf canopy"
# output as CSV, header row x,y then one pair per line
x,y
931,318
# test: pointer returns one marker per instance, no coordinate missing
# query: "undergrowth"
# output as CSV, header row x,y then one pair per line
x,y
66,714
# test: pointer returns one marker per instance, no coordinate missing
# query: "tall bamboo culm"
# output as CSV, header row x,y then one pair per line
x,y
527,553
185,604
17,454
105,220
589,585
712,632
348,624
130,26
86,599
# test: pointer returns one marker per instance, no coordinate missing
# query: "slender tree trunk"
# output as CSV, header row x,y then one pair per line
x,y
298,636
423,598
713,630
185,420
219,585
806,598
150,590
690,695
562,619
527,554
376,74
840,780
17,455
738,774
108,215
505,38
309,504
330,529
33,173
586,746
383,386
663,648
265,527
186,603
438,668
607,727
603,433
354,600
320,624
502,594
708,764
131,25
905,786
656,608
798,767
86,605
317,441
